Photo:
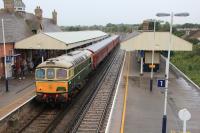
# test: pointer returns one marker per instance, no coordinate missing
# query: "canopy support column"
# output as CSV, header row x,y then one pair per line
x,y
141,66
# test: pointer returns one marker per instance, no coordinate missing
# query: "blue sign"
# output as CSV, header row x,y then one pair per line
x,y
142,53
161,83
8,59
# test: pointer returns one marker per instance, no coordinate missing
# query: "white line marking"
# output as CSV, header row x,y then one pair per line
x,y
114,100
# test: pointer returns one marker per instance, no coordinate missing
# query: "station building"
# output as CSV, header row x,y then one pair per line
x,y
19,24
32,37
47,45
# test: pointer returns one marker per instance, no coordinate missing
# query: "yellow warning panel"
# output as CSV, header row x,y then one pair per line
x,y
152,66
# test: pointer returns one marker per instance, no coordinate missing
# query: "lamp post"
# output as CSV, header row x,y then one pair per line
x,y
153,51
154,41
4,46
164,120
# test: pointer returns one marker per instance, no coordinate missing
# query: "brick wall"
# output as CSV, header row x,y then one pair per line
x,y
9,49
145,25
9,5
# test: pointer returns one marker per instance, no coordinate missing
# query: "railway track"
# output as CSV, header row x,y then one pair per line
x,y
69,120
45,119
42,121
91,117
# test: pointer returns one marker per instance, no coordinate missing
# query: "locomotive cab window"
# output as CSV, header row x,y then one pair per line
x,y
50,73
40,74
61,74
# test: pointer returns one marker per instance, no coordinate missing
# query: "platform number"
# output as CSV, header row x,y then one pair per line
x,y
161,83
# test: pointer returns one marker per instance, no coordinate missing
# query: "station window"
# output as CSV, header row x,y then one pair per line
x,y
50,73
40,73
61,74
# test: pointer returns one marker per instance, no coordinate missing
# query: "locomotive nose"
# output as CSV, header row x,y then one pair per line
x,y
51,87
55,91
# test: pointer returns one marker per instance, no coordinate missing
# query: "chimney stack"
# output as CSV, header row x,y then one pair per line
x,y
54,17
38,12
9,5
145,25
19,6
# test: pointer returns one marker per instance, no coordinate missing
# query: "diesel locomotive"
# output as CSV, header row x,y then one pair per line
x,y
57,78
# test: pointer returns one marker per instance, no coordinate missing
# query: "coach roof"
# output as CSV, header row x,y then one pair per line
x,y
100,45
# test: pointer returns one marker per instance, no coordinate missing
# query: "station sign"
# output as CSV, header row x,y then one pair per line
x,y
184,115
161,83
8,59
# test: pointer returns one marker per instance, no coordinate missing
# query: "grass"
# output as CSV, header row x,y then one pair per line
x,y
189,63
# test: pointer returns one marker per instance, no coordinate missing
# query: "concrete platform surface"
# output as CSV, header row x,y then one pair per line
x,y
144,109
19,92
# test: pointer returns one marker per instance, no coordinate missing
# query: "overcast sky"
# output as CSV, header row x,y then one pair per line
x,y
101,12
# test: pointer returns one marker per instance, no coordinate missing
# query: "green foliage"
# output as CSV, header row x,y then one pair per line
x,y
151,26
189,63
189,25
178,33
194,41
110,28
190,67
165,27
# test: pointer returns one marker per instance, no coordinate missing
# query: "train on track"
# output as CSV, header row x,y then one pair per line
x,y
57,78
147,60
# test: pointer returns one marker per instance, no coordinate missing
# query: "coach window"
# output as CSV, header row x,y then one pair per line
x,y
61,74
50,73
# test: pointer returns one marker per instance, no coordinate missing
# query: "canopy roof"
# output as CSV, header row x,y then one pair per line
x,y
60,40
145,41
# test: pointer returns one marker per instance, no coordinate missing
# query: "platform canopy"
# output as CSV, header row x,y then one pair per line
x,y
145,41
60,40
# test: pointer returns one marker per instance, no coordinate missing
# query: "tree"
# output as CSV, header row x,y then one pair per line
x,y
165,27
194,41
151,26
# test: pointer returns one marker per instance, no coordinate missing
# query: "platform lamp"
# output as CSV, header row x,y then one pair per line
x,y
153,50
4,46
164,120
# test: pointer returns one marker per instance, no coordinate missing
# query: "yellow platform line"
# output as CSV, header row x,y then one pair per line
x,y
125,97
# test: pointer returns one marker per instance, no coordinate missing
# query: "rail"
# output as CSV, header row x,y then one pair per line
x,y
94,111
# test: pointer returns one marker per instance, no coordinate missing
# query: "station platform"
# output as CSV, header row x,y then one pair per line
x,y
137,110
20,91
